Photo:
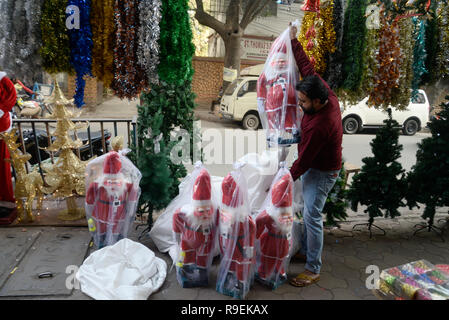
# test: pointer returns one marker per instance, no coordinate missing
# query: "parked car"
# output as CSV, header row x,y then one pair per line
x,y
357,117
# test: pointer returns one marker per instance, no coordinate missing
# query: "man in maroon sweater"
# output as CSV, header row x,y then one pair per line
x,y
319,158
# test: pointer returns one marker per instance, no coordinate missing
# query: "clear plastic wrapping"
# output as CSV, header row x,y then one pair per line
x,y
112,184
236,238
195,229
276,94
274,231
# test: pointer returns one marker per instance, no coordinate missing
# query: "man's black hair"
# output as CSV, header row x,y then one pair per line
x,y
313,88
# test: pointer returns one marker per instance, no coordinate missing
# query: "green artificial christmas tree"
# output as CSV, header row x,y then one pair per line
x,y
336,202
381,184
169,103
428,181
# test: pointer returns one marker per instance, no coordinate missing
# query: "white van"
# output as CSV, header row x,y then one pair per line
x,y
239,101
360,116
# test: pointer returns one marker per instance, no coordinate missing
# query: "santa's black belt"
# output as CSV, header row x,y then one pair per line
x,y
274,235
111,203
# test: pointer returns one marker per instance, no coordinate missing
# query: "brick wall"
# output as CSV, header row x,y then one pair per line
x,y
208,77
93,92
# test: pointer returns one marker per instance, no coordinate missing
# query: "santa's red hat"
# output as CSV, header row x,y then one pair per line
x,y
112,164
232,196
282,192
202,189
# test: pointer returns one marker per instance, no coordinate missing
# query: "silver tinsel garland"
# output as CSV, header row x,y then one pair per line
x,y
148,50
20,39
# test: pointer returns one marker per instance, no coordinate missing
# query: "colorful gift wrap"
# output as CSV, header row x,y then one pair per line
x,y
416,280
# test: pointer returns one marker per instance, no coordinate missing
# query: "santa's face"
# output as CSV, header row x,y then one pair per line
x,y
285,220
203,214
115,186
280,65
226,221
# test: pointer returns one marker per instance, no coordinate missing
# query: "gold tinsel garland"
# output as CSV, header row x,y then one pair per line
x,y
103,29
443,52
317,35
386,80
407,43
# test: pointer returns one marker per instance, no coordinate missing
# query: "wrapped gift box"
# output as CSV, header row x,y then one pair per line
x,y
419,280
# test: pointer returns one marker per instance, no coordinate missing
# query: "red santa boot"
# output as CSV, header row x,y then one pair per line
x,y
8,97
274,226
237,237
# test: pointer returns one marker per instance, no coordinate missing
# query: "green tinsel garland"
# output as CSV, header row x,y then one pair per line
x,y
432,36
354,43
419,54
176,47
55,50
370,64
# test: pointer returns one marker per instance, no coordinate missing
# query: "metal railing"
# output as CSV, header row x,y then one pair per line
x,y
32,124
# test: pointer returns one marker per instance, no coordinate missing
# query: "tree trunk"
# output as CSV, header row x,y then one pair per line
x,y
233,52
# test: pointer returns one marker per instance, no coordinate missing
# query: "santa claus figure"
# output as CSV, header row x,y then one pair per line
x,y
277,98
274,228
236,239
8,98
194,226
111,202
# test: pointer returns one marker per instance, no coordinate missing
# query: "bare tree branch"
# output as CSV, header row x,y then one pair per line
x,y
206,19
233,13
252,11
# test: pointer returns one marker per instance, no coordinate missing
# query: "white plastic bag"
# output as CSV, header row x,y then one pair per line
x,y
126,270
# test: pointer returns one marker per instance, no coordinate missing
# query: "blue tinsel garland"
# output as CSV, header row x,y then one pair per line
x,y
81,48
419,54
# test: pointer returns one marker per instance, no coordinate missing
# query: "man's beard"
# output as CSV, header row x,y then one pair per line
x,y
310,111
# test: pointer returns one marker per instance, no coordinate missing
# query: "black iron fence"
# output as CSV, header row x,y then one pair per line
x,y
36,134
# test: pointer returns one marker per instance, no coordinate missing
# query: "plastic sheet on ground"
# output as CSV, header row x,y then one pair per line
x,y
126,270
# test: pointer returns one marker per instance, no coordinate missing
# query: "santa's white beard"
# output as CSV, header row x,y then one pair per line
x,y
274,73
275,213
196,222
115,191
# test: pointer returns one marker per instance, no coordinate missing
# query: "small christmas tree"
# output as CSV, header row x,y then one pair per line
x,y
336,202
381,184
428,181
152,153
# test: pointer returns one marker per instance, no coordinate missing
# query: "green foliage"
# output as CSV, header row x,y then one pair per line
x,y
336,202
157,178
175,105
381,185
176,47
55,51
428,180
354,44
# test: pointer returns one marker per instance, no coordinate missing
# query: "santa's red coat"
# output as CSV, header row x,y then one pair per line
x,y
197,243
105,211
8,97
274,245
273,92
237,244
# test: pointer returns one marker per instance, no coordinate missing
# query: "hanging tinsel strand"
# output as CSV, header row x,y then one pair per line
x,y
149,31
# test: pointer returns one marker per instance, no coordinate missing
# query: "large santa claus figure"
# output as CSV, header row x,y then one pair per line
x,y
276,95
274,228
111,202
194,227
236,239
8,97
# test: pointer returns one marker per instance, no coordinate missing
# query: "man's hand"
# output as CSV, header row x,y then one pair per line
x,y
293,31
